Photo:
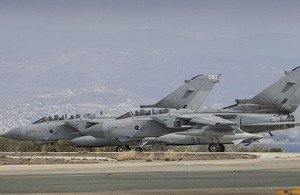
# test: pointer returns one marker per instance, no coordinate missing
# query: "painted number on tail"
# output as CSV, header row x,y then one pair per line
x,y
213,77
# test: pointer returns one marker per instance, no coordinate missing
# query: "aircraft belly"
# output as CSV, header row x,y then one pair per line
x,y
90,141
103,142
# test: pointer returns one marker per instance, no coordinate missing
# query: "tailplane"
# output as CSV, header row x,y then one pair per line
x,y
190,95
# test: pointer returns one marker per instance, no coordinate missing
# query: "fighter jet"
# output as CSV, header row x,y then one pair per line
x,y
267,111
51,129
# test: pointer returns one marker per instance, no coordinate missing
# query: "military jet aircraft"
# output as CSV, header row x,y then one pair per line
x,y
267,111
51,129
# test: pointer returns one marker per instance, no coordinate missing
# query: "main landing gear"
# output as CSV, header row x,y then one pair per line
x,y
52,148
216,148
122,148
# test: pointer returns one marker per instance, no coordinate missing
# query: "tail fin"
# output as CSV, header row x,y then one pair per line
x,y
190,95
281,97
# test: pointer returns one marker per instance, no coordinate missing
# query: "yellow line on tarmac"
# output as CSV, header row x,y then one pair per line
x,y
294,191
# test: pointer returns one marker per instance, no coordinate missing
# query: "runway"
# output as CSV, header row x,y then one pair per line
x,y
246,176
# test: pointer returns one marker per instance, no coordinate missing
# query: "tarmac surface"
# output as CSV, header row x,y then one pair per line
x,y
271,173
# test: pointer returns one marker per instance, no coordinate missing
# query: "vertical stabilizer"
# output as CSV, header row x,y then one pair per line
x,y
281,97
190,95
284,94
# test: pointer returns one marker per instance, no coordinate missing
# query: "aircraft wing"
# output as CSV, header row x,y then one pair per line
x,y
80,125
208,119
211,120
71,129
208,122
65,132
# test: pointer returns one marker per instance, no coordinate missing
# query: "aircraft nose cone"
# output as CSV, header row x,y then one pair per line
x,y
13,134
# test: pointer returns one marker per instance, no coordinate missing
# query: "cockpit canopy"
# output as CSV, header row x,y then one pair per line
x,y
56,118
144,112
153,111
126,115
42,120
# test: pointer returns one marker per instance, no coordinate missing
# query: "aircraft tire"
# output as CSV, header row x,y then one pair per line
x,y
52,150
138,149
127,148
213,148
221,148
120,149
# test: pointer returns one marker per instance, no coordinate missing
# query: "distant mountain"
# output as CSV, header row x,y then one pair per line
x,y
148,63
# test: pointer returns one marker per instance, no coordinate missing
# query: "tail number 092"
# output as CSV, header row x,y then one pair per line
x,y
213,77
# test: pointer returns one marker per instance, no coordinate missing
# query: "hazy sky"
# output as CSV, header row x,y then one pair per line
x,y
198,19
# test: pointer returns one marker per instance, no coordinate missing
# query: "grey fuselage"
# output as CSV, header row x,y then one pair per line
x,y
158,125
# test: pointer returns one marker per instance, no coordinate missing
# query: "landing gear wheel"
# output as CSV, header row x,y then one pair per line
x,y
120,149
213,148
127,148
221,148
138,149
52,150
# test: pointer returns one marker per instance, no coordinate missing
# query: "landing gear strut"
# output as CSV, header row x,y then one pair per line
x,y
127,148
216,148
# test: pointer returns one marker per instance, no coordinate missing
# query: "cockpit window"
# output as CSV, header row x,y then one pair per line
x,y
42,120
50,118
127,115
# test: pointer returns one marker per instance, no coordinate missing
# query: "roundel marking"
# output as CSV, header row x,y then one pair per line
x,y
51,131
136,127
